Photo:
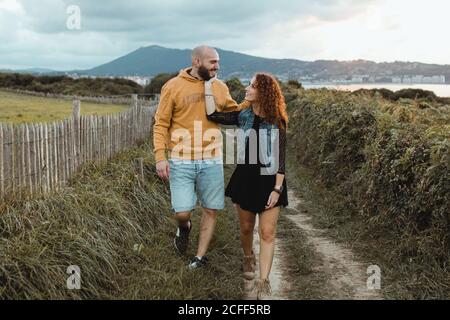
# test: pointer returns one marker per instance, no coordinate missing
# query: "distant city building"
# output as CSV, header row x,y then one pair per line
x,y
396,79
143,81
417,79
407,80
357,79
434,79
360,79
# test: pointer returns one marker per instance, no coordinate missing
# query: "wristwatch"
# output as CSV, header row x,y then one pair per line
x,y
278,189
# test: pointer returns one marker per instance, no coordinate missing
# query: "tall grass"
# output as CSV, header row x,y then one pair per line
x,y
119,230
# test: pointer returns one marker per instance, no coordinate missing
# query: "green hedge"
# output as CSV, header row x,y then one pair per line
x,y
391,161
69,86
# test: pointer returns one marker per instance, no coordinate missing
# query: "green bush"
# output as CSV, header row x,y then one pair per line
x,y
415,94
237,89
391,160
385,93
294,84
409,93
158,82
69,86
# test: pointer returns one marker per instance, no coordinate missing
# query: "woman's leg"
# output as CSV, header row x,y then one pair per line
x,y
247,224
267,228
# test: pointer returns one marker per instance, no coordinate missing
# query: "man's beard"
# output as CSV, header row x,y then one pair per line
x,y
204,73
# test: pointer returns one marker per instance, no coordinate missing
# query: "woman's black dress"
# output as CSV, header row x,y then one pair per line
x,y
247,187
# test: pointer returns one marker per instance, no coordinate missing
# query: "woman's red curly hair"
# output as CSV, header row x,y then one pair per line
x,y
271,99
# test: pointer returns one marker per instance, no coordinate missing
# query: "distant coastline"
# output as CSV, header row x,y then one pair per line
x,y
441,90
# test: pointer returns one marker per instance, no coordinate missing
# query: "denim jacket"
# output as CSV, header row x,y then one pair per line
x,y
267,140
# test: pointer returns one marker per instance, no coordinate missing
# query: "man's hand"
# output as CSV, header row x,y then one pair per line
x,y
162,169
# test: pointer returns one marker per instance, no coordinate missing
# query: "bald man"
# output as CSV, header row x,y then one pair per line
x,y
193,164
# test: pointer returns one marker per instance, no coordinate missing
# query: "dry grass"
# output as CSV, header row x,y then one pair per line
x,y
119,231
18,108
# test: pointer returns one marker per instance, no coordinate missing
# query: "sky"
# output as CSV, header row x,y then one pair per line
x,y
71,34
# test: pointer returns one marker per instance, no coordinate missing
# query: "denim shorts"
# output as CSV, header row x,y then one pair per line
x,y
189,177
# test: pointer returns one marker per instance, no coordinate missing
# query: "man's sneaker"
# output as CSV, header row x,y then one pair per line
x,y
198,263
181,240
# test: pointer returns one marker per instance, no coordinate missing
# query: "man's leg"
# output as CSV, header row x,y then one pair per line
x,y
183,218
211,191
207,226
181,240
183,198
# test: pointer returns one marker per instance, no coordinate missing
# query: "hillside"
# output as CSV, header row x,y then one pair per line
x,y
152,60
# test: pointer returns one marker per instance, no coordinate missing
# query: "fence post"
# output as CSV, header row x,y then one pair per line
x,y
134,100
76,109
139,167
132,117
2,176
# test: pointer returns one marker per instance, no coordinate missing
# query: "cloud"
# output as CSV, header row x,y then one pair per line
x,y
141,15
35,34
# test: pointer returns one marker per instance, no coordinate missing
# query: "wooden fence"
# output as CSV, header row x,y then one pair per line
x,y
41,157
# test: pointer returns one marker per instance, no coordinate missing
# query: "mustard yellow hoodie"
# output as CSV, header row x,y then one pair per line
x,y
181,113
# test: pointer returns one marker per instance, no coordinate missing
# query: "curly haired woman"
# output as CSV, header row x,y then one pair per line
x,y
253,188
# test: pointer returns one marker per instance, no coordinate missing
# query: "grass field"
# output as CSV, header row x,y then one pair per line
x,y
18,108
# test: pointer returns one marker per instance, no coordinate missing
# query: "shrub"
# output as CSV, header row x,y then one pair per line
x,y
392,160
158,82
237,89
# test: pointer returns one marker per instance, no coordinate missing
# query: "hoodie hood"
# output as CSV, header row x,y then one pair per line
x,y
184,73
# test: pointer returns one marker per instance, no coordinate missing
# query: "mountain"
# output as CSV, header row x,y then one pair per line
x,y
149,61
152,60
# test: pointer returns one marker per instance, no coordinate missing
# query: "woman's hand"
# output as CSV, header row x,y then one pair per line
x,y
273,199
209,98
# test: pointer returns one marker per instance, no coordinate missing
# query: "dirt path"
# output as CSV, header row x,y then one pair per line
x,y
347,276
